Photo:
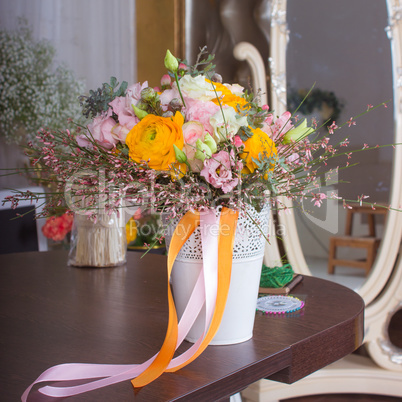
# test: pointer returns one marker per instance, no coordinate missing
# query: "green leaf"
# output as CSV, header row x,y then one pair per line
x,y
245,133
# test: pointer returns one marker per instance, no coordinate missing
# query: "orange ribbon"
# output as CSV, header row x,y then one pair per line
x,y
190,221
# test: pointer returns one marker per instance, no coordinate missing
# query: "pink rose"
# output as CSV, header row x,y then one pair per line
x,y
133,94
125,113
100,129
123,107
120,132
192,131
82,140
126,116
202,112
218,172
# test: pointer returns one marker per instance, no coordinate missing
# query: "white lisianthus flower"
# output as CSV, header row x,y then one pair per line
x,y
197,88
233,123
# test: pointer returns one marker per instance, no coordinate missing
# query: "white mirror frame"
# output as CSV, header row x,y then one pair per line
x,y
390,245
382,291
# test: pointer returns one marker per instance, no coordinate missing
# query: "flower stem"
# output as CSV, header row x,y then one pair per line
x,y
178,87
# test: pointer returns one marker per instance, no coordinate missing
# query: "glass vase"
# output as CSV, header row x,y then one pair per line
x,y
98,243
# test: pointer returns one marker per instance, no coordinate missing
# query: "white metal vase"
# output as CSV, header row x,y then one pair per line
x,y
248,252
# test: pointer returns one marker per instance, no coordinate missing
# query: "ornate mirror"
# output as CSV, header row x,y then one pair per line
x,y
305,52
349,69
389,173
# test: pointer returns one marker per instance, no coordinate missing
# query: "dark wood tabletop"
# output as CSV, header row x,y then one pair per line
x,y
51,314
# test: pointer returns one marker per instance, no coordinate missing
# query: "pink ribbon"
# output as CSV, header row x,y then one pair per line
x,y
205,291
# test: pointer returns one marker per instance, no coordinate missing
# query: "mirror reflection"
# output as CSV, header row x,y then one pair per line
x,y
341,48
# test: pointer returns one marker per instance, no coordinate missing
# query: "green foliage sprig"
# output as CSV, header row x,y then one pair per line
x,y
98,100
203,64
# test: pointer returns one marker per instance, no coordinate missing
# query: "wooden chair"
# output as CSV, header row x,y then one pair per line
x,y
370,242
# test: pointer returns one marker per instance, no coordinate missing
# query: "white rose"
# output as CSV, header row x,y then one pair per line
x,y
233,123
197,88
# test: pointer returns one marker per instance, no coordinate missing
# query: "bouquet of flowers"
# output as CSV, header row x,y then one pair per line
x,y
192,144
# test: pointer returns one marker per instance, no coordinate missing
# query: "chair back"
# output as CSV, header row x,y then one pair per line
x,y
19,229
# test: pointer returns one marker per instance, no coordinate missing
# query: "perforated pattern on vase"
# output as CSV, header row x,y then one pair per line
x,y
249,240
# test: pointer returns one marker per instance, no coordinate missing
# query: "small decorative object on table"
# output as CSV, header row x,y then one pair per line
x,y
279,304
99,243
278,280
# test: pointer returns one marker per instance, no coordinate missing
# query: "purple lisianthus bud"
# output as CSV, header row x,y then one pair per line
x,y
168,114
175,104
142,105
182,69
217,78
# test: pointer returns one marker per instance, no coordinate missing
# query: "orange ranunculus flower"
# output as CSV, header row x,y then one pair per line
x,y
260,146
227,97
152,139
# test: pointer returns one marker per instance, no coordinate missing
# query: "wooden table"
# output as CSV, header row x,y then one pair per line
x,y
51,313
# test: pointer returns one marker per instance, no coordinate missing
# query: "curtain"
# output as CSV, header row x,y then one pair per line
x,y
94,38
